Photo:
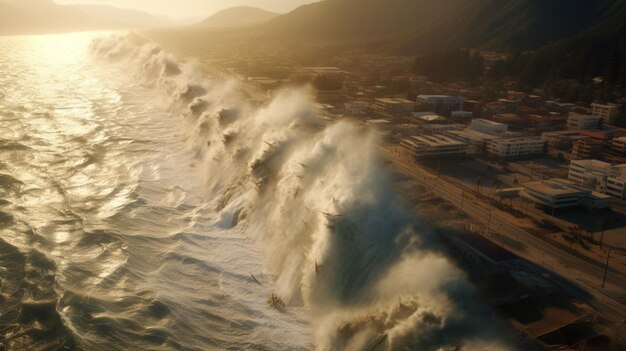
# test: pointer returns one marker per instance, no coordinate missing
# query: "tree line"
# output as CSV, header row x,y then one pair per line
x,y
581,59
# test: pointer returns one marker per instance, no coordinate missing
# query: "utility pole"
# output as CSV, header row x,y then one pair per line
x,y
606,268
603,227
438,167
462,198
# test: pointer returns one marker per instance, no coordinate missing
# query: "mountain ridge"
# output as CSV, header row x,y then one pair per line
x,y
236,17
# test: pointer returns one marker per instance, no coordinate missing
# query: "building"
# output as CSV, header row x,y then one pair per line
x,y
585,149
471,137
438,128
441,104
556,194
600,176
516,147
619,145
394,105
561,107
488,127
576,121
424,146
560,144
429,117
477,141
461,116
512,120
608,112
470,105
510,106
547,123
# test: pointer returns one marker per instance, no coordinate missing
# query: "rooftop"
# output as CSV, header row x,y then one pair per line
x,y
425,97
433,140
522,140
555,187
576,116
472,135
428,116
394,100
613,170
486,121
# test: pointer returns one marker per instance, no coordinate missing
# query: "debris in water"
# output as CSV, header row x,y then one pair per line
x,y
276,302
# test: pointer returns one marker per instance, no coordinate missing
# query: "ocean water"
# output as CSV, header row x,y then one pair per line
x,y
145,206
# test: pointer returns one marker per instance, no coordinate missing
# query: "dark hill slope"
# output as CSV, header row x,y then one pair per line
x,y
237,17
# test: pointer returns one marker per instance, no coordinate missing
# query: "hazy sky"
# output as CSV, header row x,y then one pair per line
x,y
193,8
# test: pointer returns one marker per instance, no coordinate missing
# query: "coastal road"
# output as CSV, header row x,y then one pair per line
x,y
587,276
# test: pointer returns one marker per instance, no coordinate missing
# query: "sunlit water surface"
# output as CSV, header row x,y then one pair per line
x,y
107,241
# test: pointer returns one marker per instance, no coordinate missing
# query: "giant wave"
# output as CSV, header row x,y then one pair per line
x,y
316,198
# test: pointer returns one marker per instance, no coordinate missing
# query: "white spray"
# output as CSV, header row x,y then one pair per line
x,y
317,199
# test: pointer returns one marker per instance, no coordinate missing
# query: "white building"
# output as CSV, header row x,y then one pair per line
x,y
434,146
608,112
394,105
560,193
516,147
600,176
488,127
576,122
443,104
471,137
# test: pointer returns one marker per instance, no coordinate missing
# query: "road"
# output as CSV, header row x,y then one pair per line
x,y
609,301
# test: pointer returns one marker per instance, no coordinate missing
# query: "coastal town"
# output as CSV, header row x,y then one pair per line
x,y
526,186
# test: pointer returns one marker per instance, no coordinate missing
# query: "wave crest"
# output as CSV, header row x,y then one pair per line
x,y
317,199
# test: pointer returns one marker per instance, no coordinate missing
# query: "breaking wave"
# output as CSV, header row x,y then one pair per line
x,y
317,199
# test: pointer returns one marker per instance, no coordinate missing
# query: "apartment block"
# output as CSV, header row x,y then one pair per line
x,y
608,112
423,146
586,149
576,121
488,127
516,147
600,176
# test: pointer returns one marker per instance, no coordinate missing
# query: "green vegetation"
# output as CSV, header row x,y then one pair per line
x,y
450,65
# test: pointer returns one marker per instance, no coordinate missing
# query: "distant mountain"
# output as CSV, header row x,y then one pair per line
x,y
237,17
416,25
49,17
362,19
43,16
124,17
526,24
